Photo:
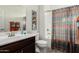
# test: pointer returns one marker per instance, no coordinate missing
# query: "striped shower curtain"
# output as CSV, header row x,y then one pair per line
x,y
64,28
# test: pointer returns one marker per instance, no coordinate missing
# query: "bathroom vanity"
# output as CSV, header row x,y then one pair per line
x,y
18,44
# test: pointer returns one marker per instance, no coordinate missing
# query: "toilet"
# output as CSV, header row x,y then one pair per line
x,y
42,45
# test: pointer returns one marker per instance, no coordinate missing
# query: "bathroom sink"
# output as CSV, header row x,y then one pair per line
x,y
3,37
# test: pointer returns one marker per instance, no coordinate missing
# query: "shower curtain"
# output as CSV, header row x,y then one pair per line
x,y
74,13
64,28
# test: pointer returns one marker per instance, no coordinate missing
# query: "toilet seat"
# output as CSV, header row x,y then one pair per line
x,y
41,43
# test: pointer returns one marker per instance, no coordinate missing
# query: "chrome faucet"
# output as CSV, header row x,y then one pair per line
x,y
11,34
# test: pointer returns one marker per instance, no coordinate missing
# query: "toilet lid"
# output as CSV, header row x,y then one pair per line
x,y
41,42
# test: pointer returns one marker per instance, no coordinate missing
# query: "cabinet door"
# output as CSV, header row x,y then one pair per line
x,y
26,45
29,49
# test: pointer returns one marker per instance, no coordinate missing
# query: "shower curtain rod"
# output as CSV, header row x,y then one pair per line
x,y
61,8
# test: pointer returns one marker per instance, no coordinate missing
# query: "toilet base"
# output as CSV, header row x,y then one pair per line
x,y
43,50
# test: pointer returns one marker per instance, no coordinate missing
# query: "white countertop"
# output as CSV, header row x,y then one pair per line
x,y
8,40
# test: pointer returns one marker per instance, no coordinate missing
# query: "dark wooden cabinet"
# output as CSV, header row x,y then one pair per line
x,y
29,49
22,46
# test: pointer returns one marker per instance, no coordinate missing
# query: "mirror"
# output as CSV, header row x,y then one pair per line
x,y
12,24
2,25
12,18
